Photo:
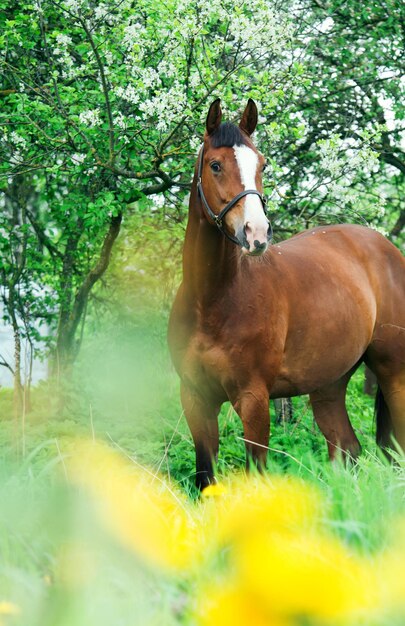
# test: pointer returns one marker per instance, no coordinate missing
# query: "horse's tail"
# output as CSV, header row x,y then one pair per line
x,y
383,420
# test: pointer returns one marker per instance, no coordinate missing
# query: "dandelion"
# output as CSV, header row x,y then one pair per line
x,y
143,514
215,491
256,502
231,606
281,566
305,575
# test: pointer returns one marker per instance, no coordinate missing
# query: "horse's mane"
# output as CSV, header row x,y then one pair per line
x,y
227,135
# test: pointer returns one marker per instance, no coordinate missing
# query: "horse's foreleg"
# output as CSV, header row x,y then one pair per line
x,y
328,405
253,409
202,419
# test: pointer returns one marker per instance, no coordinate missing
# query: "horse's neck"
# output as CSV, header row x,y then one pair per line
x,y
210,261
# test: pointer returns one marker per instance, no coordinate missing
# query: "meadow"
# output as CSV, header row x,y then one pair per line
x,y
100,522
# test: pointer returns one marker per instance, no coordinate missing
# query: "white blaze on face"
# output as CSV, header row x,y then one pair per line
x,y
247,160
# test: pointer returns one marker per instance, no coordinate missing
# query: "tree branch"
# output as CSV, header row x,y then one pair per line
x,y
399,225
390,158
105,88
42,238
4,363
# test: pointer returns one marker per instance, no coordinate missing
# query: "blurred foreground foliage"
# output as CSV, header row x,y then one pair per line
x,y
95,533
93,538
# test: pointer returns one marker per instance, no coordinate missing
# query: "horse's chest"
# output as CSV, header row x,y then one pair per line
x,y
205,363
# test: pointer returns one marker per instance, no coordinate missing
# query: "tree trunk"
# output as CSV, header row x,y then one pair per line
x,y
18,387
284,410
73,308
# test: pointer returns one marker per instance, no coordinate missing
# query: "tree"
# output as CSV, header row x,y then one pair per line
x,y
352,119
102,108
96,113
20,269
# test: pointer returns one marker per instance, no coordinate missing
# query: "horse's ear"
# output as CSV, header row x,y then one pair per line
x,y
248,122
214,116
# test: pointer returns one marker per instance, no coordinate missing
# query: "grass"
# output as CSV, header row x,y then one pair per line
x,y
60,566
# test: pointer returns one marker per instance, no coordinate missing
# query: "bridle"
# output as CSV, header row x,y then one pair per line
x,y
218,219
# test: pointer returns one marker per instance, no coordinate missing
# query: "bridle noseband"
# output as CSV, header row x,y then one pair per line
x,y
218,219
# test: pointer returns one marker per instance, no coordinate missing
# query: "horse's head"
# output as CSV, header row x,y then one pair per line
x,y
230,180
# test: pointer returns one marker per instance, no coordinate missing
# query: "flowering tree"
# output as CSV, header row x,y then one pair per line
x,y
102,103
344,154
103,107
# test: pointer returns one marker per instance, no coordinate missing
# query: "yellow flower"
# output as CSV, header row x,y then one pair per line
x,y
295,574
216,490
231,606
143,512
255,503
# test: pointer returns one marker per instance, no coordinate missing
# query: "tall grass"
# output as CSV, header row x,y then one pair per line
x,y
63,564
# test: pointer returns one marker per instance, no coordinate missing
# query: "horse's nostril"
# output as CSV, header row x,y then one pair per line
x,y
258,245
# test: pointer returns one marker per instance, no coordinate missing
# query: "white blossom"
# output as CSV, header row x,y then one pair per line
x,y
165,106
63,57
120,121
149,78
16,157
380,230
37,6
63,40
109,58
17,140
132,34
195,144
73,5
78,158
90,118
101,11
128,93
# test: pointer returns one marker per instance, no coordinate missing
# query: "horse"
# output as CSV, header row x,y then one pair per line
x,y
253,321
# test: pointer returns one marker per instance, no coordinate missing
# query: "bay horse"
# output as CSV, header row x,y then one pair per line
x,y
252,322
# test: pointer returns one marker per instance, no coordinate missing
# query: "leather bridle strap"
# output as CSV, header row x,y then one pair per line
x,y
218,219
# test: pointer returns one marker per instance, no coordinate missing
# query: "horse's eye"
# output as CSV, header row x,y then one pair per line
x,y
215,166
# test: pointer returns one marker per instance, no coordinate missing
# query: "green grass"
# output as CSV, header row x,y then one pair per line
x,y
126,392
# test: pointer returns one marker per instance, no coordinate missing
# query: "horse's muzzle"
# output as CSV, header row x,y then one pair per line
x,y
255,241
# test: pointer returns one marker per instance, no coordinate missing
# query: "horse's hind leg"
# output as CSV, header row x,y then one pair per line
x,y
329,408
252,406
202,418
393,392
386,358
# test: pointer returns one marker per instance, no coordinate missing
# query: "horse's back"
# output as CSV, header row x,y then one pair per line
x,y
353,253
343,287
